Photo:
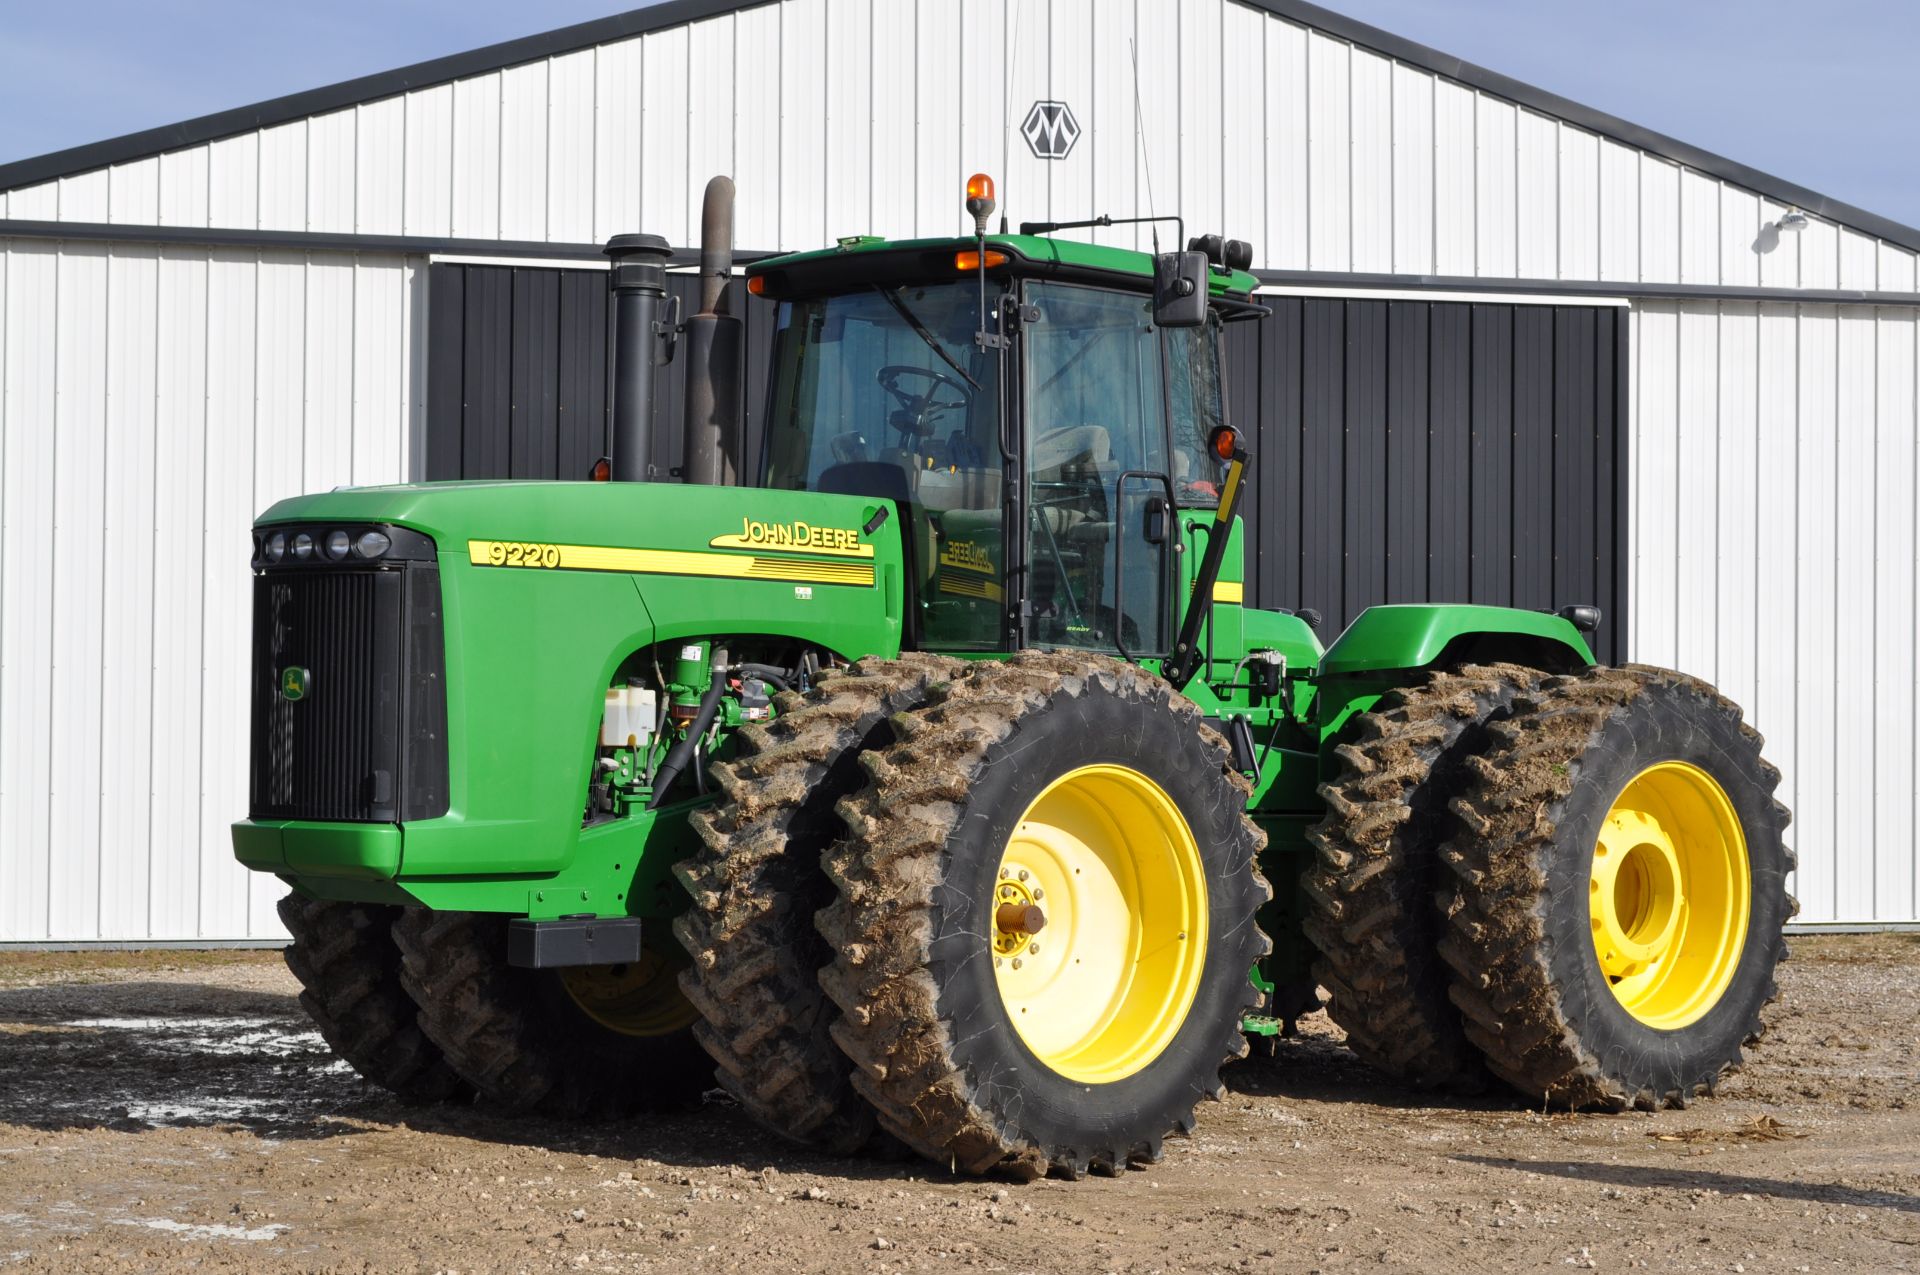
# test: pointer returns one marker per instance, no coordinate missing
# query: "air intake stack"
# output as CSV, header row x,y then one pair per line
x,y
639,306
713,351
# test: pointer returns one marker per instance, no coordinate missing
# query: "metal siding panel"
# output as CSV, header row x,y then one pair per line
x,y
1371,200
1024,177
1579,204
28,395
803,117
35,203
1284,245
1893,618
618,157
283,177
711,130
329,373
486,420
666,203
756,109
1659,221
1283,438
1655,482
427,202
533,439
1533,448
1776,545
851,106
1069,79
1329,155
1612,405
233,182
1699,228
183,187
255,315
1853,646
1454,233
379,173
1409,477
938,176
1156,26
446,369
86,197
133,192
476,157
1779,253
119,778
1490,577
281,339
582,371
524,176
1413,157
1815,611
1859,260
1819,255
1322,428
1576,498
1537,195
1619,200
1364,516
80,420
1739,238
1696,622
1736,573
1450,452
1243,140
1896,269
380,394
183,400
1202,164
1496,238
570,142
330,172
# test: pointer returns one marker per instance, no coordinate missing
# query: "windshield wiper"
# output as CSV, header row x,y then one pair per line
x,y
920,330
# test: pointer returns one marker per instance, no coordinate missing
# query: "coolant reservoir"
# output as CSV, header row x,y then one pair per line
x,y
628,722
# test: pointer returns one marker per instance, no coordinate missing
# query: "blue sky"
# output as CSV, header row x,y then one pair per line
x,y
1821,93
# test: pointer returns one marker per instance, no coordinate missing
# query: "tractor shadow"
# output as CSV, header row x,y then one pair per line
x,y
1658,1177
1317,1066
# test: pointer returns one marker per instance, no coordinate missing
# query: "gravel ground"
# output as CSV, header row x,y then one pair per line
x,y
172,1111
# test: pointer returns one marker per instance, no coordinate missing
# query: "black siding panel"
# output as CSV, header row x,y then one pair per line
x,y
1450,452
1363,567
1409,480
1490,547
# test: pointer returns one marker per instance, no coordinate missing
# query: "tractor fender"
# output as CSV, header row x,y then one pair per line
x,y
1387,638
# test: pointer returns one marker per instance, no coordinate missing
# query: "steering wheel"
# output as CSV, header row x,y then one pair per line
x,y
912,418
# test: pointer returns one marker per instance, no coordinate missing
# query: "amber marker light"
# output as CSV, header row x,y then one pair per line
x,y
756,284
970,260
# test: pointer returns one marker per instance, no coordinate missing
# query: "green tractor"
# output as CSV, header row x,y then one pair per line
x,y
941,786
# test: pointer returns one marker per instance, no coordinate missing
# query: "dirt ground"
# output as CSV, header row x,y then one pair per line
x,y
172,1111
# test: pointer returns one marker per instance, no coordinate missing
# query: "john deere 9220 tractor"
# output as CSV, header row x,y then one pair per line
x,y
939,784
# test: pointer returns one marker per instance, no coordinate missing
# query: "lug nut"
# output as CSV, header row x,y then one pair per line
x,y
1016,962
1023,874
1033,949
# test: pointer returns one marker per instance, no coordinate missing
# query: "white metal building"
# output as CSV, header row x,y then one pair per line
x,y
203,318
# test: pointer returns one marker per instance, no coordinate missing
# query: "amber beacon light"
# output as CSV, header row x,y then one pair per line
x,y
980,201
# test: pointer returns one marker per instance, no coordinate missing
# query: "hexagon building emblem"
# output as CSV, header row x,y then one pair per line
x,y
1050,130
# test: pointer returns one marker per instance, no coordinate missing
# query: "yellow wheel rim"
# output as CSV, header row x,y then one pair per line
x,y
638,998
1098,926
1669,895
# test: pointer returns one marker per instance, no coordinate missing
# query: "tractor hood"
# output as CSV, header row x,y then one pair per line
x,y
704,560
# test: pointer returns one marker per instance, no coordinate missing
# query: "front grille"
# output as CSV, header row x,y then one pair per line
x,y
365,741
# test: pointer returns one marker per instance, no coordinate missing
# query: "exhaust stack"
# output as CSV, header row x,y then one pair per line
x,y
713,347
639,305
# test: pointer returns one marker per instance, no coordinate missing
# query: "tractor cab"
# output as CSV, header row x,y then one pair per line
x,y
1016,399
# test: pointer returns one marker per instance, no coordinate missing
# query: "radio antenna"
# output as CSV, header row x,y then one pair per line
x,y
1140,137
1006,97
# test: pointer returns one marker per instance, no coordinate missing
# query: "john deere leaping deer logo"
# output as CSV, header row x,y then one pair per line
x,y
1050,130
295,682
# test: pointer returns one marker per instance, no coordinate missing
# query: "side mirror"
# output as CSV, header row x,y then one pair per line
x,y
1180,290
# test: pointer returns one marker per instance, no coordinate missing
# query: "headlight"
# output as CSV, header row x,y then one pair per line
x,y
303,546
338,543
371,544
277,546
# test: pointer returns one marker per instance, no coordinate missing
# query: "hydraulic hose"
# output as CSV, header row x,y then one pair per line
x,y
682,751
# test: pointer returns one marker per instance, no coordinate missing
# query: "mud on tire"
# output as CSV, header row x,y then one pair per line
x,y
756,884
933,1044
517,1036
349,972
1526,975
1373,916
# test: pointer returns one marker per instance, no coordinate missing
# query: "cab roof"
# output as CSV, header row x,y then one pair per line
x,y
862,260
